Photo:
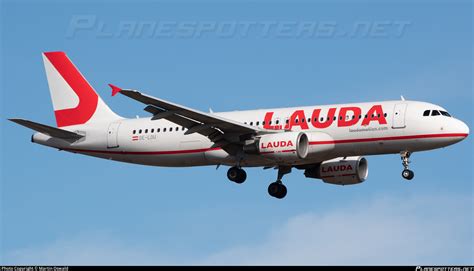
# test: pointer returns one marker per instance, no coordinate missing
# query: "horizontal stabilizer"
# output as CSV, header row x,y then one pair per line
x,y
48,130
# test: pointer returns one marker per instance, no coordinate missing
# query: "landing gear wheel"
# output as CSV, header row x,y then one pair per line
x,y
236,175
408,174
277,190
242,176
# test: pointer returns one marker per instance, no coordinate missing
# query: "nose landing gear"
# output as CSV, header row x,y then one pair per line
x,y
406,173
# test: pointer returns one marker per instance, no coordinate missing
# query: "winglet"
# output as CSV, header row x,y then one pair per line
x,y
115,89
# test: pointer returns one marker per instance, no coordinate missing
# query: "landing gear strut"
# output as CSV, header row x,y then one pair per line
x,y
236,175
278,189
406,173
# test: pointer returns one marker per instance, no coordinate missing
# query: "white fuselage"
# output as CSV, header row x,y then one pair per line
x,y
399,126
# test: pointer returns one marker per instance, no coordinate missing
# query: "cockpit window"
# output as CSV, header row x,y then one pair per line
x,y
427,113
444,113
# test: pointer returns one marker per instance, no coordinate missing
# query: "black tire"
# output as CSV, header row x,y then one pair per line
x,y
282,192
236,175
233,173
277,190
242,176
273,189
408,174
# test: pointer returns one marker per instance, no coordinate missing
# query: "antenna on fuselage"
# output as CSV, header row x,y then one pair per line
x,y
403,98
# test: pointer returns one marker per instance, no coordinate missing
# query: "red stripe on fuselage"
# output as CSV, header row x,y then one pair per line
x,y
389,138
144,153
311,143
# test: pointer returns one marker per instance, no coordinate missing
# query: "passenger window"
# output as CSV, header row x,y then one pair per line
x,y
263,122
152,130
146,131
158,130
177,128
164,129
296,120
309,119
435,113
269,122
287,121
171,129
182,128
335,117
258,122
251,123
134,131
140,131
426,113
385,114
277,121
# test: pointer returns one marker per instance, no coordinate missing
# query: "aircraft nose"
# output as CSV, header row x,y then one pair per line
x,y
461,129
464,129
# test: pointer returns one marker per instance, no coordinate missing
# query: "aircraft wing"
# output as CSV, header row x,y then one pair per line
x,y
220,130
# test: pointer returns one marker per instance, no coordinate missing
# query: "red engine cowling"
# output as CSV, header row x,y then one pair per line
x,y
341,171
284,147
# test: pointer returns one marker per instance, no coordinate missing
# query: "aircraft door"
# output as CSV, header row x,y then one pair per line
x,y
398,120
112,135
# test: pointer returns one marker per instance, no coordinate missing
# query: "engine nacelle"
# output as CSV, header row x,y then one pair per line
x,y
283,147
341,171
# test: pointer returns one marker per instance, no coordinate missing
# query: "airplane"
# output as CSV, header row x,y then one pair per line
x,y
328,142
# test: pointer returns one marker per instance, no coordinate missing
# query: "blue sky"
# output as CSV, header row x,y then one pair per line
x,y
61,208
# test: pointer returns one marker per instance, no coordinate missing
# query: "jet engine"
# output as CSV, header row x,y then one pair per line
x,y
341,171
282,147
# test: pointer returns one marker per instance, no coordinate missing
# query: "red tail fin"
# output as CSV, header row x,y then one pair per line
x,y
74,100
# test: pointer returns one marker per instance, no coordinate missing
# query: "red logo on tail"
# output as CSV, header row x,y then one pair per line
x,y
88,99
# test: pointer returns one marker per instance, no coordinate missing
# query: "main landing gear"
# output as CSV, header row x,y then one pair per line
x,y
406,173
236,174
278,189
